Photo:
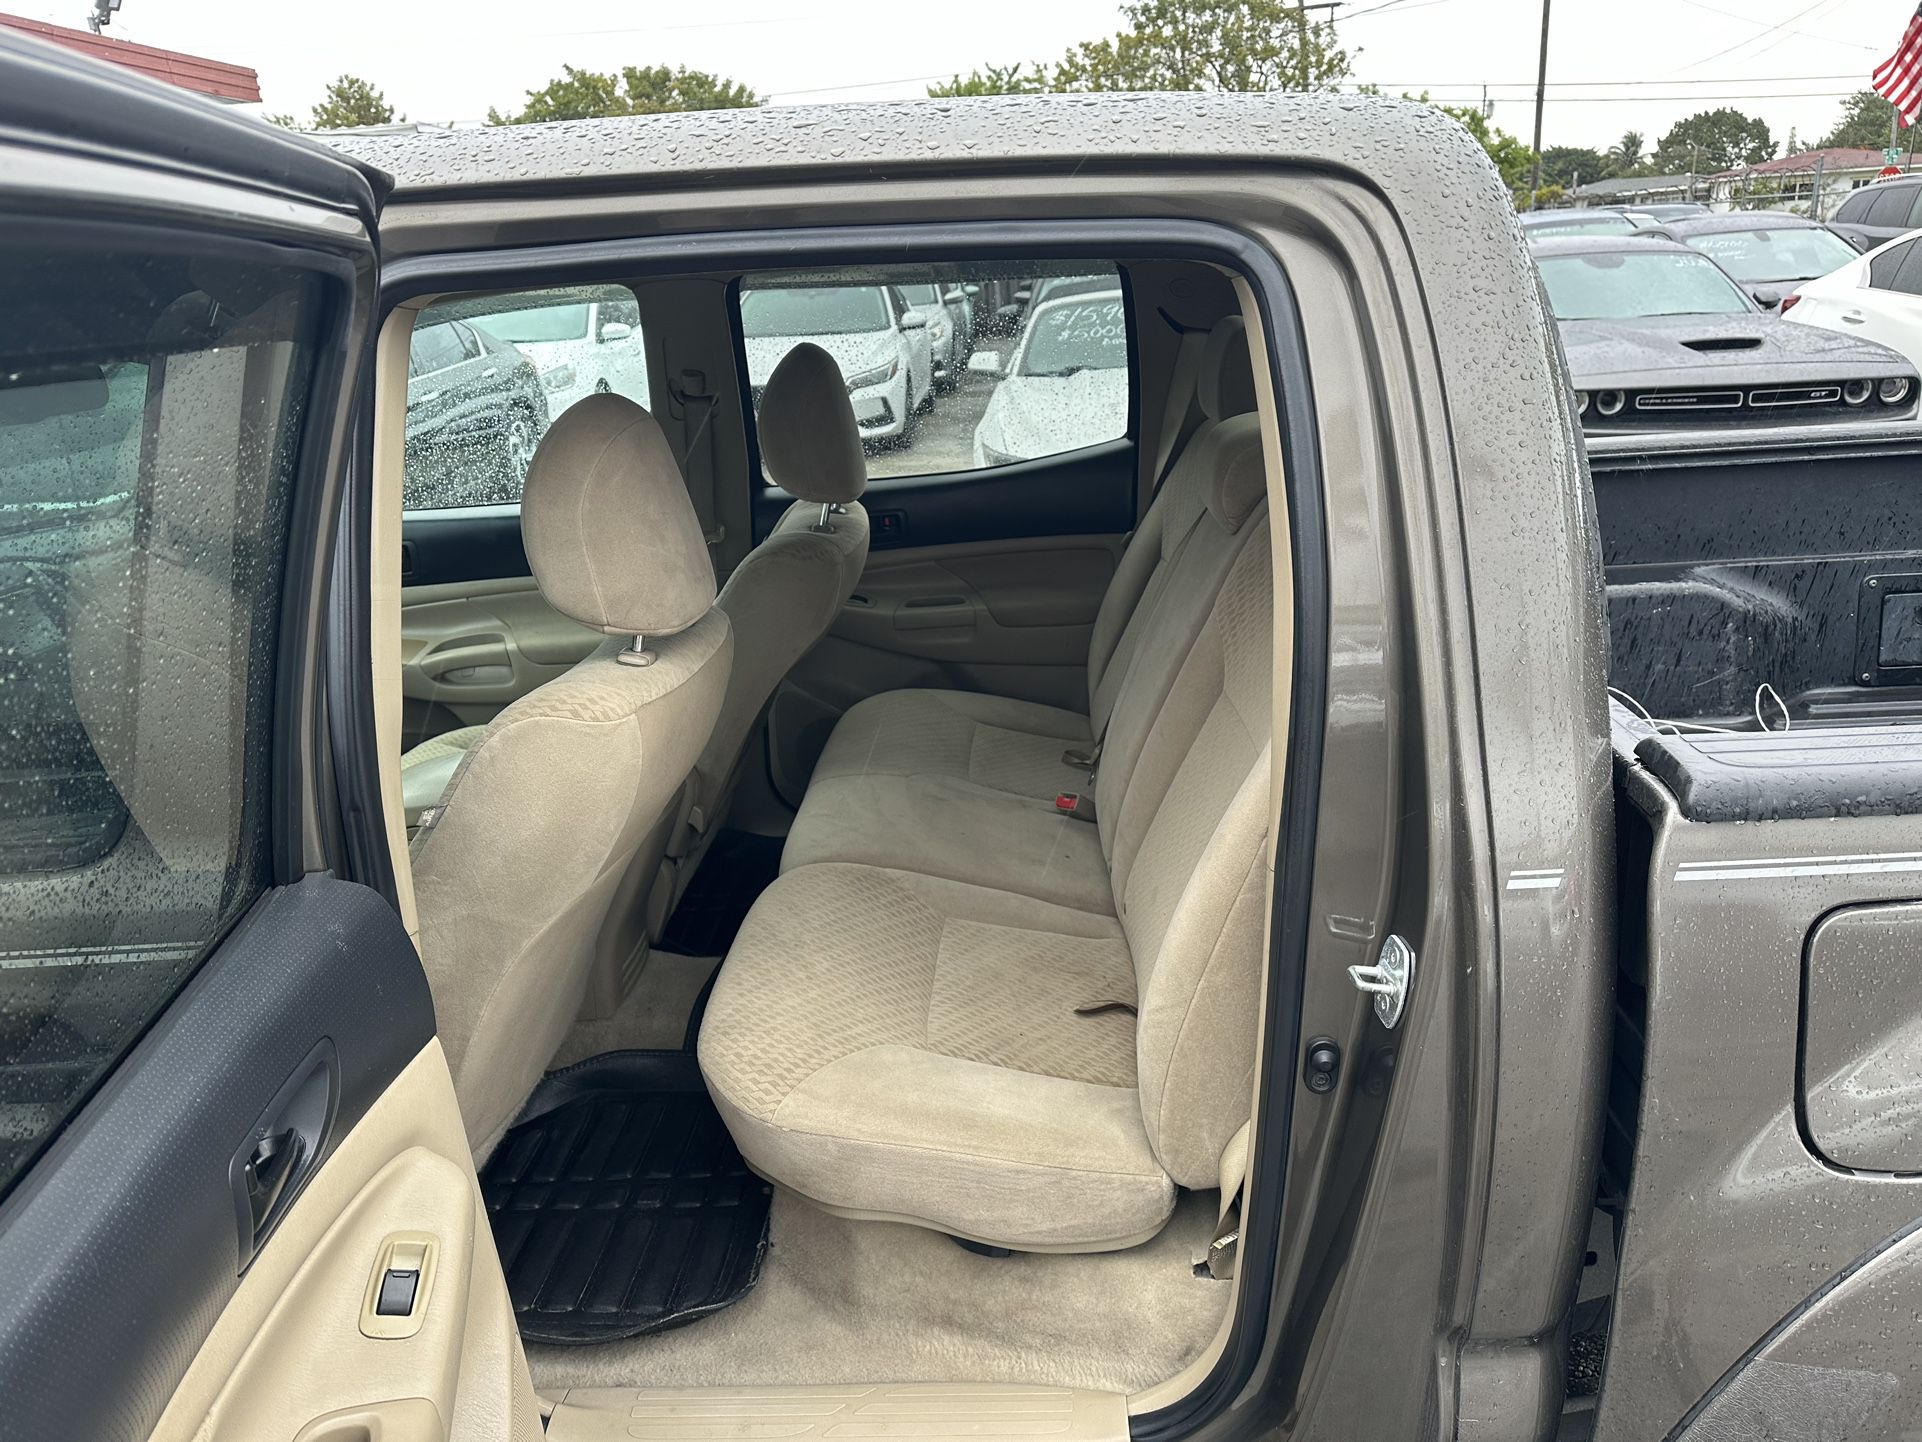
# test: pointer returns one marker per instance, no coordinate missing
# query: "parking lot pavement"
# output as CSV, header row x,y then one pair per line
x,y
944,439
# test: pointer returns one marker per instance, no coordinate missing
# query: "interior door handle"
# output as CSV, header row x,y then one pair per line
x,y
276,1158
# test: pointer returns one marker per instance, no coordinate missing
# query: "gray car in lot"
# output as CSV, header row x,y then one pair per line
x,y
1400,920
1658,336
1769,254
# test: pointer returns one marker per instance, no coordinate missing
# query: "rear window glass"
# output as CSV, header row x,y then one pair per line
x,y
1891,207
957,368
488,374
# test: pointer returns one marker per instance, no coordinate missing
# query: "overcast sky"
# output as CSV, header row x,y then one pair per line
x,y
1613,66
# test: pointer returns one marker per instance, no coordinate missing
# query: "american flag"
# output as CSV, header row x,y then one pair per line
x,y
1899,78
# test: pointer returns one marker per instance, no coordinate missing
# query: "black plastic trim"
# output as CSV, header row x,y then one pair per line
x,y
1250,1360
469,543
1087,492
120,1247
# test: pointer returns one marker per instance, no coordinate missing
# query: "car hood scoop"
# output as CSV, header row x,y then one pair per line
x,y
1723,342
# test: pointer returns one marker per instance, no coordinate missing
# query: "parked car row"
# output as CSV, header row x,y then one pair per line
x,y
1676,323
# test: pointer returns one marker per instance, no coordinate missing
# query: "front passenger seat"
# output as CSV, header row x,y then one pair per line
x,y
787,590
515,868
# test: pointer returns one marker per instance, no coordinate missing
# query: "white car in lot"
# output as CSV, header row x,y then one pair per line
x,y
579,346
880,343
946,310
1877,296
1064,386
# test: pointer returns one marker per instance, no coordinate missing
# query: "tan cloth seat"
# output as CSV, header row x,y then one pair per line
x,y
548,807
785,593
963,785
899,1043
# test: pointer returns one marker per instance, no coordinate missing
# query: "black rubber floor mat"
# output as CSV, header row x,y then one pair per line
x,y
620,1205
738,867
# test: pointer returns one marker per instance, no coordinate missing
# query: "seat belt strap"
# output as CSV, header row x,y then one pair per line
x,y
1176,413
1218,1261
697,456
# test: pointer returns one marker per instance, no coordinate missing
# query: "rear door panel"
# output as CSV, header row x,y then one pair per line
x,y
253,1101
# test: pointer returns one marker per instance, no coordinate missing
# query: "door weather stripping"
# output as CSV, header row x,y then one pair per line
x,y
1388,979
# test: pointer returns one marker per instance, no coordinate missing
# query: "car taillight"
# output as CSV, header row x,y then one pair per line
x,y
1790,301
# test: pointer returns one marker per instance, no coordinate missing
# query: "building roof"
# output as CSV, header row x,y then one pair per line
x,y
1833,158
1630,185
214,78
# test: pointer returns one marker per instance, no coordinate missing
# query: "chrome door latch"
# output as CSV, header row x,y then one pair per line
x,y
1388,979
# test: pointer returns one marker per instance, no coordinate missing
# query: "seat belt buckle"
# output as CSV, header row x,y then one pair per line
x,y
1072,803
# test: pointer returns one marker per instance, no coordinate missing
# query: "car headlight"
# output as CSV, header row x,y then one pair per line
x,y
880,375
1894,390
557,379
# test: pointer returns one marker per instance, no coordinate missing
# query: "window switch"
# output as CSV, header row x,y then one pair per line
x,y
397,1290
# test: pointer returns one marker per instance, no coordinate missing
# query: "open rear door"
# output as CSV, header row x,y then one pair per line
x,y
236,1199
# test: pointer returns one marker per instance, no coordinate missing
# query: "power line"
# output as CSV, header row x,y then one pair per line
x,y
1770,30
1530,85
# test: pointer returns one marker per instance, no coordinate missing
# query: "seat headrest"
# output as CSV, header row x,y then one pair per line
x,y
610,532
810,444
1225,384
1238,472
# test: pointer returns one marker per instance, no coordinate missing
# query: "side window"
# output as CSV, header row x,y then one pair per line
x,y
1908,277
487,375
959,369
1884,268
151,408
1891,207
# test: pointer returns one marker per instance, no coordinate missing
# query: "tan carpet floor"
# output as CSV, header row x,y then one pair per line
x,y
844,1301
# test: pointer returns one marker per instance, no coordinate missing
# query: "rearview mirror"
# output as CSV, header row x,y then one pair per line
x,y
615,330
954,297
913,320
1768,299
985,363
971,290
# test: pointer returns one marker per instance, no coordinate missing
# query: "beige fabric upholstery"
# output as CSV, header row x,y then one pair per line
x,y
608,545
786,592
810,443
895,1043
549,807
910,1045
1225,382
428,769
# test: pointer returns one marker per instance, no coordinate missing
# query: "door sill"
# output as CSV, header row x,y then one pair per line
x,y
980,1411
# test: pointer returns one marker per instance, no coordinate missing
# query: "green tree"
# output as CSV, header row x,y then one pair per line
x,y
1565,166
1628,155
1864,124
349,101
1714,140
1513,159
1185,45
633,90
995,80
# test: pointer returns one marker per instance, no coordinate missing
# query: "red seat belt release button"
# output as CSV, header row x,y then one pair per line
x,y
1069,803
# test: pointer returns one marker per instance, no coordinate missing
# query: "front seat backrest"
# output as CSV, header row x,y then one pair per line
x,y
515,869
787,590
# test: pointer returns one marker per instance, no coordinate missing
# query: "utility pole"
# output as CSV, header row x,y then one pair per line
x,y
1302,7
1541,95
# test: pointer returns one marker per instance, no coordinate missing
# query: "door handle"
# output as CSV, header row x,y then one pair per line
x,y
490,372
276,1158
425,399
1854,317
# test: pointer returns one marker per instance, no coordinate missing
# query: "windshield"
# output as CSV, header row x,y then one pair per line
x,y
1076,336
547,322
828,310
1617,285
1791,253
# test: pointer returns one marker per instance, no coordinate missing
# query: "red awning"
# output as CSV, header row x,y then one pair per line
x,y
216,78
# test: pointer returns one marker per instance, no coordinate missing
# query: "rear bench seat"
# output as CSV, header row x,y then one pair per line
x,y
960,1008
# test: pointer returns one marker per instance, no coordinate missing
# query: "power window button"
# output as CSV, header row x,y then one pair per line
x,y
397,1294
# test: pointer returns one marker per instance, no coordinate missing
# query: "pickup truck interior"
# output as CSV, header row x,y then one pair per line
x,y
840,859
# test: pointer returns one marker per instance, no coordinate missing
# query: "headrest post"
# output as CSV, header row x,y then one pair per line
x,y
825,526
636,653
